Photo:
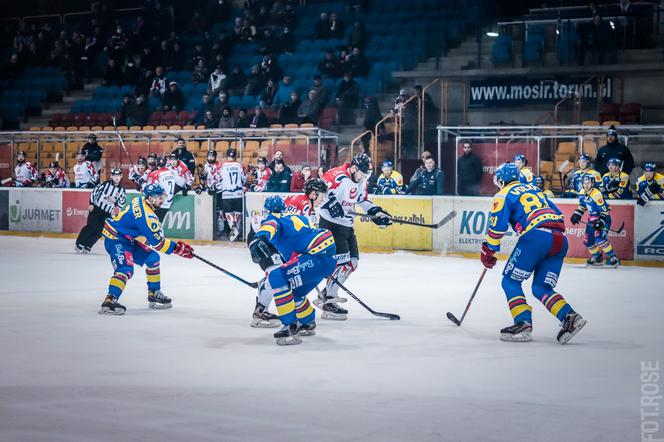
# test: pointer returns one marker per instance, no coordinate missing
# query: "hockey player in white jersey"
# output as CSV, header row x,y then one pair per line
x,y
85,174
347,186
210,177
232,192
183,176
167,180
139,173
25,172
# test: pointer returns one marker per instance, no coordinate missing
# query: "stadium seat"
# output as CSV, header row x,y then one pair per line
x,y
610,111
501,50
631,113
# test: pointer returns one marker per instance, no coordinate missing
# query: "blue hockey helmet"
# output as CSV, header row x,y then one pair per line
x,y
650,167
506,173
274,204
613,162
153,190
520,157
588,177
586,157
539,181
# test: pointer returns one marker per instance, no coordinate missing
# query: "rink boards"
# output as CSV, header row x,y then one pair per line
x,y
192,217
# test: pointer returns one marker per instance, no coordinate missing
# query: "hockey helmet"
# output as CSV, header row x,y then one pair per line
x,y
153,190
362,161
613,162
116,171
520,157
262,160
152,155
161,161
539,181
586,157
231,153
612,132
588,177
315,184
506,173
274,204
649,167
142,161
52,165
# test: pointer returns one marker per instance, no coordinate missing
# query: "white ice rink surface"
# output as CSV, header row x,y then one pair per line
x,y
198,372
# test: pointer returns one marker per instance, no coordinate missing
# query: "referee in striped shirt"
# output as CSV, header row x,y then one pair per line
x,y
105,200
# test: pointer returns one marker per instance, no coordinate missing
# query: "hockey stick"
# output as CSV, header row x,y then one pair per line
x,y
390,316
117,132
561,170
441,223
6,180
619,230
253,285
453,318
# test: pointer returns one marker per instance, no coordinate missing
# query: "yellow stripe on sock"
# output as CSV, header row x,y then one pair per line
x,y
305,313
516,311
115,282
153,278
557,306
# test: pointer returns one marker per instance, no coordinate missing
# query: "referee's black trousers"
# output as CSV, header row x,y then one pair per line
x,y
91,232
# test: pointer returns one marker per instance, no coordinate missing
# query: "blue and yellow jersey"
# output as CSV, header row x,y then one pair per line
x,y
391,185
296,234
548,193
657,183
616,187
577,179
526,175
138,222
523,207
594,203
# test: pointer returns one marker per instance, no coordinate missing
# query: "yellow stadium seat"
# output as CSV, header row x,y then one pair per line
x,y
568,148
148,127
590,148
590,123
276,126
221,146
109,128
200,126
35,128
161,127
47,129
96,128
307,125
135,128
123,128
72,129
175,127
291,126
610,123
59,129
188,127
251,146
84,128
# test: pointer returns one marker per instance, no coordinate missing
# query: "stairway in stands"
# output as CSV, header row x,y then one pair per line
x,y
63,107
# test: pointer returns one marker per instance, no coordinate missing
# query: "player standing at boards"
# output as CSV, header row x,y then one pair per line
x,y
105,200
93,152
183,177
139,173
650,185
539,183
304,204
311,252
541,248
232,192
577,176
526,175
210,176
166,179
55,176
599,222
347,186
615,183
25,172
85,175
134,236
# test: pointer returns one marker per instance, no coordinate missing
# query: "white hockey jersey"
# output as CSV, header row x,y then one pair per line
x,y
166,179
183,176
232,179
213,176
342,189
85,174
26,173
139,178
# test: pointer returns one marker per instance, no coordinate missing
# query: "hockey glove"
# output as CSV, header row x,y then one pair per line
x,y
379,216
654,187
198,190
264,253
599,225
335,209
184,250
487,256
576,216
642,200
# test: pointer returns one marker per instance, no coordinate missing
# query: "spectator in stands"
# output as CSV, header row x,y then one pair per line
x,y
300,178
138,112
336,27
390,182
372,116
426,154
283,94
357,63
280,179
259,119
287,41
255,81
309,110
288,110
270,68
227,121
209,121
243,120
237,81
322,27
148,60
358,36
184,155
173,98
409,118
113,74
328,66
429,182
222,102
164,55
269,43
198,54
217,81
131,74
205,105
322,93
124,110
117,44
200,72
469,169
248,32
279,156
346,98
237,28
595,37
93,152
178,57
267,96
613,149
158,83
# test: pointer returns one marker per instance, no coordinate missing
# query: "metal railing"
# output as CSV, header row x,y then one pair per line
x,y
359,138
374,154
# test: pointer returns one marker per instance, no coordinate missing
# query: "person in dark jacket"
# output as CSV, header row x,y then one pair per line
x,y
469,169
138,112
613,149
173,98
429,182
184,155
93,152
280,180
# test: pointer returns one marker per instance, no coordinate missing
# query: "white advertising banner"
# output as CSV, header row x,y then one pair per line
x,y
35,210
471,225
649,232
443,237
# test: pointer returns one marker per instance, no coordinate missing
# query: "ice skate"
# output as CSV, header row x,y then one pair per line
x,y
233,235
289,335
111,306
571,325
519,332
324,298
334,312
157,300
612,261
81,249
264,319
308,329
594,261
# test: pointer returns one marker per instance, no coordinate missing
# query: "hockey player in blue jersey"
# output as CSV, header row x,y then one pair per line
x,y
599,221
310,254
615,182
540,250
577,177
526,175
650,185
134,236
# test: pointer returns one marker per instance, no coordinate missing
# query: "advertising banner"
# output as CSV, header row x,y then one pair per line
x,y
650,232
75,208
35,211
5,161
471,225
180,220
4,209
518,91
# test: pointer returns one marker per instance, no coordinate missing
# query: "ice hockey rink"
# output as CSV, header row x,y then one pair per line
x,y
198,372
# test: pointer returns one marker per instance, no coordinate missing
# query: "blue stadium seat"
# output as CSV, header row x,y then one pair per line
x,y
501,51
